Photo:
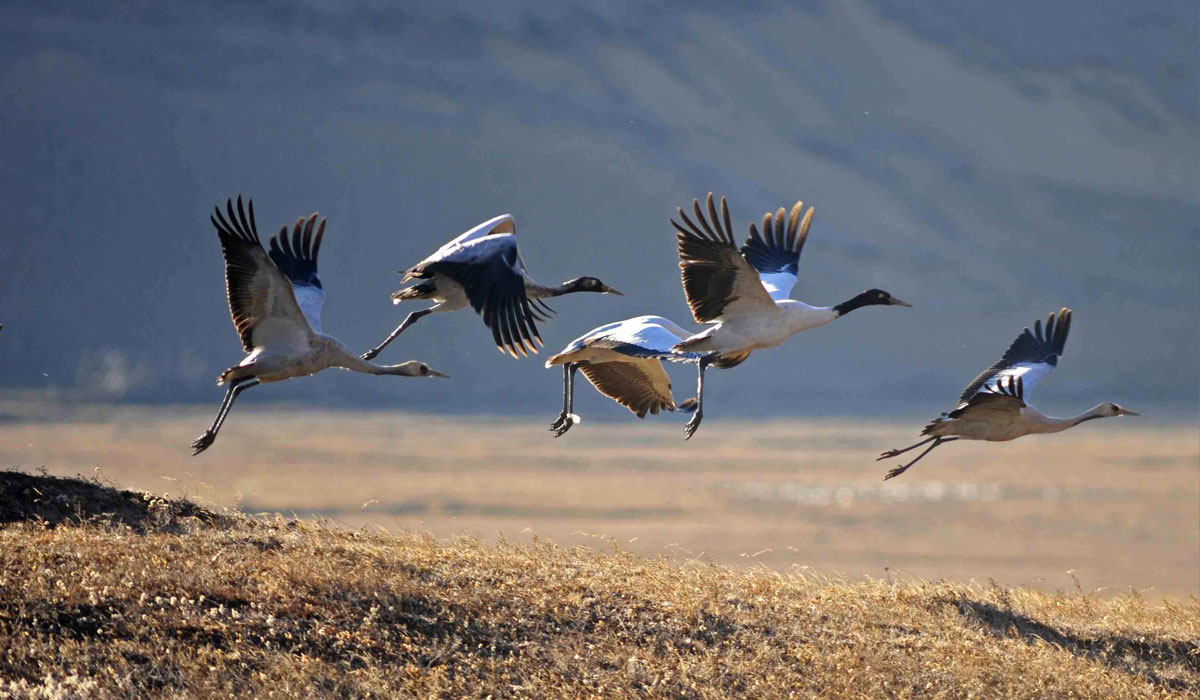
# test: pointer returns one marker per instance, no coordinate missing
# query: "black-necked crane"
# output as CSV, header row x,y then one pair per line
x,y
275,300
744,292
483,269
623,360
993,406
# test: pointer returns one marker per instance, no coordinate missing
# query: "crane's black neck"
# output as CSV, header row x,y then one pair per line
x,y
579,284
864,299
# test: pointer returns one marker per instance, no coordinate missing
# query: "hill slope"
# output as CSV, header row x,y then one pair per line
x,y
194,603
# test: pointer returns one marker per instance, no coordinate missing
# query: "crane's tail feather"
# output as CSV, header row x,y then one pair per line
x,y
234,373
425,290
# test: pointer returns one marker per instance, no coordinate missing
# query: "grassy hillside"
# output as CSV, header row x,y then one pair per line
x,y
1119,506
103,592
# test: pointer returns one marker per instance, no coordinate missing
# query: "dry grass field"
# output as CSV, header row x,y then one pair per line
x,y
1112,506
106,594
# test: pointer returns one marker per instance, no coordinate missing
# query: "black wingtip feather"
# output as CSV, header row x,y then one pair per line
x,y
1041,344
294,252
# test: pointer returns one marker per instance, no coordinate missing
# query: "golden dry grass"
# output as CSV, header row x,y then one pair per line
x,y
187,604
1116,503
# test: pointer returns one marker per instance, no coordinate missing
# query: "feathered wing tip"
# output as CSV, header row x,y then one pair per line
x,y
714,232
1058,325
783,230
513,329
303,244
541,311
295,253
237,225
1054,334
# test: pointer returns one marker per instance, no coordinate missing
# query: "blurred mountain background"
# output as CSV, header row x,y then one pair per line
x,y
988,163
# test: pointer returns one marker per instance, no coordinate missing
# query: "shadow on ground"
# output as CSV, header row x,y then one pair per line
x,y
55,501
1170,663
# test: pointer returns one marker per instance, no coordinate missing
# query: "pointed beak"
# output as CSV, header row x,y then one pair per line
x,y
897,302
1124,412
435,373
609,290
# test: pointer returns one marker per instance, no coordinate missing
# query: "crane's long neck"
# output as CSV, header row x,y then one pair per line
x,y
801,317
340,356
856,302
540,291
1049,424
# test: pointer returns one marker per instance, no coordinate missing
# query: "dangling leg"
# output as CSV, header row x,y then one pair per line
x,y
893,453
567,418
900,470
689,428
408,321
236,387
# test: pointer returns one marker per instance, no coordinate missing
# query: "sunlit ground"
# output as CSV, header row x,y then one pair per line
x,y
1112,504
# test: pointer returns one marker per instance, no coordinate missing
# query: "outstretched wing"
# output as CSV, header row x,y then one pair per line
x,y
261,301
645,337
1032,356
496,225
489,271
642,386
717,280
775,253
296,258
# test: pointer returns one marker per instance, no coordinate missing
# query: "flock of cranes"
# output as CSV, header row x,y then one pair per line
x,y
742,293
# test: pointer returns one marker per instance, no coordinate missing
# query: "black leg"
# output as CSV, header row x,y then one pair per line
x,y
893,453
689,428
236,387
408,321
567,418
900,470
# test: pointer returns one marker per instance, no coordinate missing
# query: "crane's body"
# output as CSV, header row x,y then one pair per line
x,y
275,301
993,406
483,269
744,292
772,327
623,360
275,364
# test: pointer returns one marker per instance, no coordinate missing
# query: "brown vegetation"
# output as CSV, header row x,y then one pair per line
x,y
202,604
1116,503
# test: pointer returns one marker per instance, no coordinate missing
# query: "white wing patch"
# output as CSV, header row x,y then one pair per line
x,y
778,284
311,300
1030,373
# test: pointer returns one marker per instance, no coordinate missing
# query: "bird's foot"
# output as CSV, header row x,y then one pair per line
x,y
688,406
689,428
369,355
889,453
203,442
896,472
563,423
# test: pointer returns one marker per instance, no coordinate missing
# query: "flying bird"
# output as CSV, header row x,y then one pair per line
x,y
483,269
993,407
744,292
275,300
623,360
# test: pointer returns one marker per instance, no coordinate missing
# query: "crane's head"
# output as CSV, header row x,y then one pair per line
x,y
878,297
590,284
1111,410
413,368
